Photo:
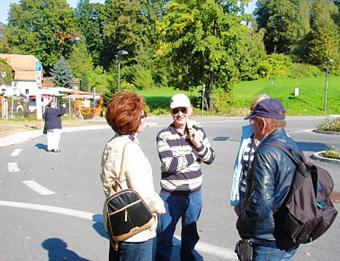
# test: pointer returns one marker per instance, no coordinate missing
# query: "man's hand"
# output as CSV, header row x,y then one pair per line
x,y
194,138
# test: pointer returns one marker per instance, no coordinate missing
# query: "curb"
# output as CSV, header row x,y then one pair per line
x,y
327,132
317,156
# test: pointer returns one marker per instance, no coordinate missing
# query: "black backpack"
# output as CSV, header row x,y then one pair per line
x,y
307,211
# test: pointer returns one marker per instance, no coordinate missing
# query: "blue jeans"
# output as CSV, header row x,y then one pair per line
x,y
131,251
188,208
262,253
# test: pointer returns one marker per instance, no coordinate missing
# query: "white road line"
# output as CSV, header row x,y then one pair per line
x,y
12,167
216,251
38,188
16,152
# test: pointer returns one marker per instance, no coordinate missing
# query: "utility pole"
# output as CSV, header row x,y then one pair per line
x,y
325,106
94,102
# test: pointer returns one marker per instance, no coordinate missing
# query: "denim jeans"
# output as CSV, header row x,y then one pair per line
x,y
262,253
132,251
188,208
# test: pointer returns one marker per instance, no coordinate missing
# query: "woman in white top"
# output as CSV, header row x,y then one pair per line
x,y
125,114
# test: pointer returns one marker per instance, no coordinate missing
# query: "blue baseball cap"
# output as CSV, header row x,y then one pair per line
x,y
268,108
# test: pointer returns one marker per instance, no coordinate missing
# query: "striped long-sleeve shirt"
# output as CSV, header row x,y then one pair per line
x,y
181,161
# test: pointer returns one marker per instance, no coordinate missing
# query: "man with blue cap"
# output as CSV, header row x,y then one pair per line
x,y
268,183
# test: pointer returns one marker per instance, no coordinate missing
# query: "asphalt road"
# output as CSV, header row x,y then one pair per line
x,y
51,203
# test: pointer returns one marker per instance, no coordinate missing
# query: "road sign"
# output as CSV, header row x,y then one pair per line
x,y
38,66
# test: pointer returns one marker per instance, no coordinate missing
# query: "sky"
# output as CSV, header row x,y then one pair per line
x,y
4,7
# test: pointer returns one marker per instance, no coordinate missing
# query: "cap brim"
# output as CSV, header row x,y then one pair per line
x,y
250,116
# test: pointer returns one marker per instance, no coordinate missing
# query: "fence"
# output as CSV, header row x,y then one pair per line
x,y
16,108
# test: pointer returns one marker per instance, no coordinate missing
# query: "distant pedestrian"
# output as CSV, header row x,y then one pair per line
x,y
182,147
126,115
52,128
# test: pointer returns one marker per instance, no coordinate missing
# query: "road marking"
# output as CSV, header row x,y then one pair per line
x,y
12,167
16,152
214,250
209,249
38,188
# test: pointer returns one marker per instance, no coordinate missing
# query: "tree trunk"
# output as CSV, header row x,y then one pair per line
x,y
208,93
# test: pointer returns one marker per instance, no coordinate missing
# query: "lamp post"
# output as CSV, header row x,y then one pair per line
x,y
325,106
120,55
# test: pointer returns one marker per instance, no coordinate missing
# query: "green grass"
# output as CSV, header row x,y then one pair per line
x,y
309,102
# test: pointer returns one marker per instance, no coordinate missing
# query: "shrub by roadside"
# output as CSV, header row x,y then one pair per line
x,y
330,125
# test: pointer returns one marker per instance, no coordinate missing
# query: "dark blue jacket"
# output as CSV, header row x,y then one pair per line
x,y
52,117
268,185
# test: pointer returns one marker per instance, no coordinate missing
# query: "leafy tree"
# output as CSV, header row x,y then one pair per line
x,y
323,41
205,43
62,74
44,28
80,60
90,19
4,48
5,68
285,22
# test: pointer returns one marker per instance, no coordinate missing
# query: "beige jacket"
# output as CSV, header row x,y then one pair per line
x,y
138,174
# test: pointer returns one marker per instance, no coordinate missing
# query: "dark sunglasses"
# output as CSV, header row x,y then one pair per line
x,y
180,109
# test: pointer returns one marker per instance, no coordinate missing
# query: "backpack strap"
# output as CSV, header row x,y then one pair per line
x,y
294,156
118,181
298,162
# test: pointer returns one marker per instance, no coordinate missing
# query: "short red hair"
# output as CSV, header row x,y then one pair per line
x,y
123,112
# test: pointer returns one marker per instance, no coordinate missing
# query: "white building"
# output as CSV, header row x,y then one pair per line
x,y
24,80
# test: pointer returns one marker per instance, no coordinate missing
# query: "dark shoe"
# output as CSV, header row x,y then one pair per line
x,y
56,150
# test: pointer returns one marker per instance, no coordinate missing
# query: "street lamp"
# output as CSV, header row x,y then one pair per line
x,y
119,56
325,106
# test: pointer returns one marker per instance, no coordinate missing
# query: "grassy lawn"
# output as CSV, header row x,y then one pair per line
x,y
309,102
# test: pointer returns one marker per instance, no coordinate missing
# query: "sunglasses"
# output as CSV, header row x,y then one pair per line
x,y
180,109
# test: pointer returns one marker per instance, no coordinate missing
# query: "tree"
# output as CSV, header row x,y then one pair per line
x,y
62,74
323,41
285,23
44,28
205,43
80,60
91,19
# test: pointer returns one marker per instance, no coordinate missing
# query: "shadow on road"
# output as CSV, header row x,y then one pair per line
x,y
312,146
98,225
57,250
176,251
41,146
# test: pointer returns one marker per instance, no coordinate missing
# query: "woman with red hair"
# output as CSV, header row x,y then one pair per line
x,y
126,115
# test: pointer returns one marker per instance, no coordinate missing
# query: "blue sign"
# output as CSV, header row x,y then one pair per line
x,y
38,66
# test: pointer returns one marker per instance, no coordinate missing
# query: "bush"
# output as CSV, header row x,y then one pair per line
x,y
275,65
221,101
87,113
304,70
330,125
332,154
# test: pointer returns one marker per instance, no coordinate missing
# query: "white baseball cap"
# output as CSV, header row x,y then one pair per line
x,y
179,100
